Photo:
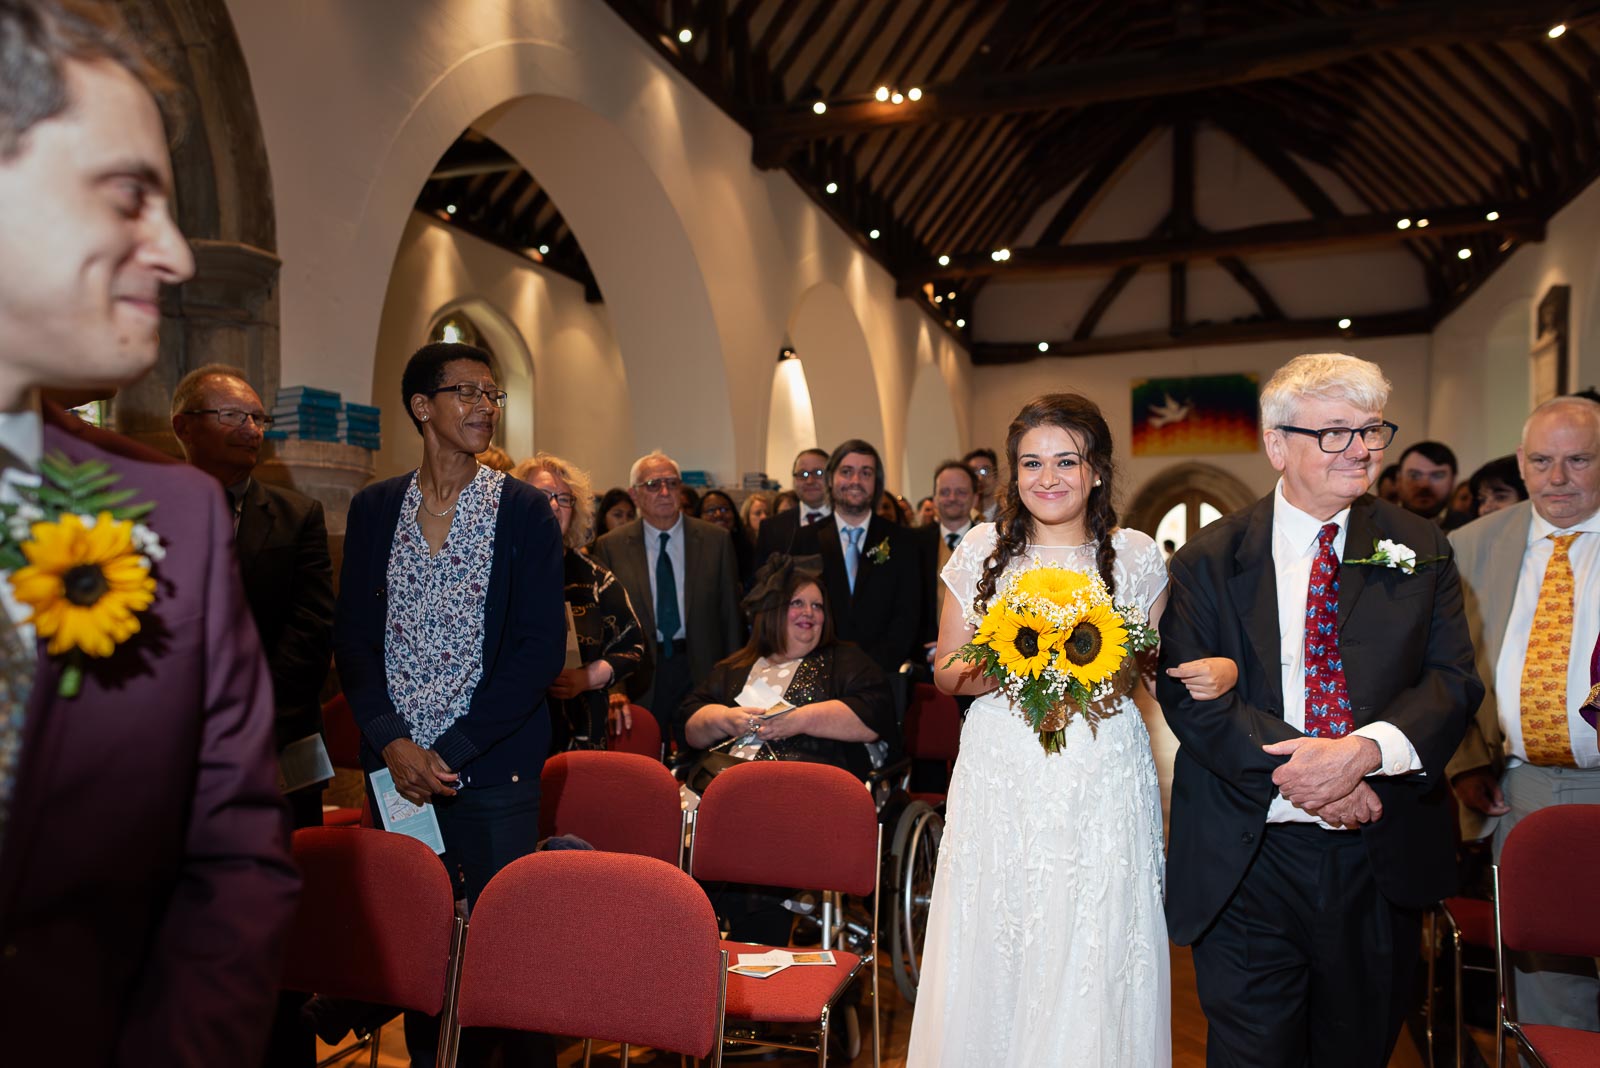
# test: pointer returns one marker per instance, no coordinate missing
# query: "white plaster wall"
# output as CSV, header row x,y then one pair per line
x,y
1480,351
359,99
577,393
1107,380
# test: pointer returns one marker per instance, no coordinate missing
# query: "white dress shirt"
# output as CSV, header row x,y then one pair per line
x,y
844,533
652,550
21,443
1584,555
1294,551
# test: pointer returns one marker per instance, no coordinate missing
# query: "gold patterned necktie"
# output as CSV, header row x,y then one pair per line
x,y
1546,736
16,686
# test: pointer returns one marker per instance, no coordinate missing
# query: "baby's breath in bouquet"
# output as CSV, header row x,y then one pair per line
x,y
1056,642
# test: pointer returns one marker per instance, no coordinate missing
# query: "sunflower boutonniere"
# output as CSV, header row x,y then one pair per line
x,y
80,558
1057,643
879,553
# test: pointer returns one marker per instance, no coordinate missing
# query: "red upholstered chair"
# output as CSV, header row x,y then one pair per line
x,y
791,824
932,731
617,802
343,738
377,922
1546,855
600,945
644,737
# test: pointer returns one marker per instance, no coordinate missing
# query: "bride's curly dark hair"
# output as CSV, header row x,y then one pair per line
x,y
1014,523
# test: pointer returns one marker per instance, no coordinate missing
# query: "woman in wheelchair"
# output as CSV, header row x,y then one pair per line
x,y
792,691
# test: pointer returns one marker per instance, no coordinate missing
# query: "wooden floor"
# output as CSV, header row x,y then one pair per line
x,y
1188,1035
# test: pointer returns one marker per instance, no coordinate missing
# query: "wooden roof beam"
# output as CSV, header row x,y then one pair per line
x,y
1521,221
1392,324
1270,53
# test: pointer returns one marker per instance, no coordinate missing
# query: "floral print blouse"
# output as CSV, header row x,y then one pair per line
x,y
433,640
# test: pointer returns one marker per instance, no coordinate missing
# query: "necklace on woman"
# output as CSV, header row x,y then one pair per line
x,y
438,515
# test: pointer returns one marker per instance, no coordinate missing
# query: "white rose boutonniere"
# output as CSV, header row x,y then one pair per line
x,y
1386,553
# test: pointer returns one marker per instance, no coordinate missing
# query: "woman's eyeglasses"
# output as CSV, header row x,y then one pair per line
x,y
470,394
560,500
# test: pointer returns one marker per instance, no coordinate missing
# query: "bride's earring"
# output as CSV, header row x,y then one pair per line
x,y
1097,482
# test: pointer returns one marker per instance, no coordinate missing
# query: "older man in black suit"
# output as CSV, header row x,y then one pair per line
x,y
870,566
282,543
681,575
1311,816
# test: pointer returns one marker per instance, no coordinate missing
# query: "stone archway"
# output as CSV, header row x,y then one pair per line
x,y
838,365
1181,483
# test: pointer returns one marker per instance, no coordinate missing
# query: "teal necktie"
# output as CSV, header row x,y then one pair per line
x,y
667,620
852,554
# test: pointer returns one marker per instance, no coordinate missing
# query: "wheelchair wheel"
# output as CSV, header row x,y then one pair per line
x,y
915,852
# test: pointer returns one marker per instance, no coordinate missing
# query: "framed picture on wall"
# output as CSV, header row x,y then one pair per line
x,y
1547,361
1196,415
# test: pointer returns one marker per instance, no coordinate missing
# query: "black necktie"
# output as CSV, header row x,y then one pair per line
x,y
666,598
813,517
951,538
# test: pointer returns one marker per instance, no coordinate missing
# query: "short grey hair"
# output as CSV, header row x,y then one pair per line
x,y
187,395
653,456
1332,376
577,480
1579,406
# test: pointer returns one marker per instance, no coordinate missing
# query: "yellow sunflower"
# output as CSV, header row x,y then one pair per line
x,y
84,584
1055,584
1025,641
1096,647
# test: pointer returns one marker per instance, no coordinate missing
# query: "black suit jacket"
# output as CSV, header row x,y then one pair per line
x,y
778,532
884,614
282,544
1408,660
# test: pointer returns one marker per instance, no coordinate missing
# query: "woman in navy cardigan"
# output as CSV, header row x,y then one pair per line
x,y
451,625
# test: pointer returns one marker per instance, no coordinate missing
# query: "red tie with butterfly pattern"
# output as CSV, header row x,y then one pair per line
x,y
1327,699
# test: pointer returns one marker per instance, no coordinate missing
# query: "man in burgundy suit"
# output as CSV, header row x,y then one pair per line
x,y
145,882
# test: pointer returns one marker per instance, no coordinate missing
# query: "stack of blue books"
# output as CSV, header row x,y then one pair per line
x,y
306,413
358,425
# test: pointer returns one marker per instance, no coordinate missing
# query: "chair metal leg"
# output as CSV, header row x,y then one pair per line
x,y
1432,996
377,1040
1461,1020
822,1043
588,1048
624,1055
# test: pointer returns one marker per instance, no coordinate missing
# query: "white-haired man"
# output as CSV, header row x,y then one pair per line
x,y
1532,579
683,580
1310,813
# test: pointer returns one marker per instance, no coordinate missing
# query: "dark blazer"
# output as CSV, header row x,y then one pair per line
x,y
288,579
1408,660
712,625
506,731
145,879
838,672
884,614
777,533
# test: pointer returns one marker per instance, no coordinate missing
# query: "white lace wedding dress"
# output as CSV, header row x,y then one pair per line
x,y
1046,943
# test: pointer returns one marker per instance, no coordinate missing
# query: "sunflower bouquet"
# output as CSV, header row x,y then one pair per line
x,y
80,558
1056,642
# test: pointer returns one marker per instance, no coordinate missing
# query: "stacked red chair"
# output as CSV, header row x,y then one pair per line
x,y
618,802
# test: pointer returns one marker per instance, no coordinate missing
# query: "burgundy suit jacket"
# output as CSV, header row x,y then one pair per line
x,y
145,877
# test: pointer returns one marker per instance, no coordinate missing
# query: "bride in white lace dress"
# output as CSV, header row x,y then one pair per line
x,y
1046,943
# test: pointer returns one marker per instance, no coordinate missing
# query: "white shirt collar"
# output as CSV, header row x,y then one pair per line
x,y
1300,529
22,436
961,531
1541,527
654,532
822,511
844,526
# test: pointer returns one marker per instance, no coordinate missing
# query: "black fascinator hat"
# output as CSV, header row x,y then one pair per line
x,y
771,581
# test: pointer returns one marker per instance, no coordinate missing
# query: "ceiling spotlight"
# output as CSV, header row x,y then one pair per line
x,y
1557,30
1000,255
832,187
685,35
882,94
897,98
544,250
944,261
951,294
1044,346
961,322
787,353
450,209
1403,224
937,299
1493,216
1344,324
1422,224
913,94
1464,254
873,233
819,108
